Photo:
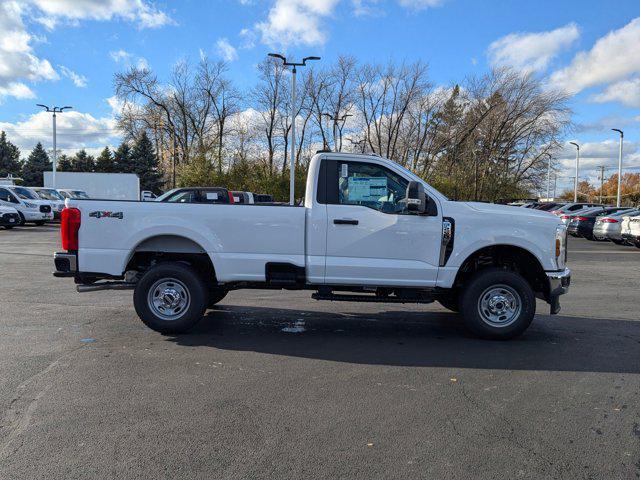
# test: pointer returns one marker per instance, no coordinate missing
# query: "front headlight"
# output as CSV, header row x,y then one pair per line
x,y
560,246
30,205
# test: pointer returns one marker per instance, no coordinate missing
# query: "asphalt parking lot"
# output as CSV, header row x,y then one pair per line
x,y
276,385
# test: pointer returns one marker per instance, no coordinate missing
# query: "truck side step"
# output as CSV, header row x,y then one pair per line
x,y
369,298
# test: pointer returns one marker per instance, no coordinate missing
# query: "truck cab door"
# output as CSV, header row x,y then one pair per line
x,y
372,237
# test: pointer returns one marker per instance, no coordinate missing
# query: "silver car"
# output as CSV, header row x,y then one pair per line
x,y
608,227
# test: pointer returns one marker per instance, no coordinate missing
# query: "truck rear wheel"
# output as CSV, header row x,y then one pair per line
x,y
170,298
497,304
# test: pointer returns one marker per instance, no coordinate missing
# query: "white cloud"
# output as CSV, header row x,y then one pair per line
x,y
141,12
626,92
77,79
613,57
75,130
120,56
17,90
17,59
226,50
532,51
420,4
296,22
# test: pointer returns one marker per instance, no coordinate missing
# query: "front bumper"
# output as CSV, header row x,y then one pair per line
x,y
559,282
35,216
66,264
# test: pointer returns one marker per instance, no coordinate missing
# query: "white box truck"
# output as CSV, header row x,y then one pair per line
x,y
107,186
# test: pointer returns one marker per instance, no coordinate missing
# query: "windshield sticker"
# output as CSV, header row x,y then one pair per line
x,y
367,189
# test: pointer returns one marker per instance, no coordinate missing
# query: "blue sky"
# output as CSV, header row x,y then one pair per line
x,y
66,52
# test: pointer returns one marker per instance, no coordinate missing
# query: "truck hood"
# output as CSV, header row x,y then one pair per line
x,y
509,210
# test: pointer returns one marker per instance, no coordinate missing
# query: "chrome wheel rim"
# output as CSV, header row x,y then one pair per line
x,y
499,306
169,299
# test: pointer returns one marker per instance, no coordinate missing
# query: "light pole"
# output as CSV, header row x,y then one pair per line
x,y
54,110
335,120
548,176
619,197
575,180
292,168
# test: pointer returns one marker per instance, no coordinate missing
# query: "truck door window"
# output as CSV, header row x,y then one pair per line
x,y
6,196
372,186
183,197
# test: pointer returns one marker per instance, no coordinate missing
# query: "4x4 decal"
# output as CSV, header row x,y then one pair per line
x,y
99,214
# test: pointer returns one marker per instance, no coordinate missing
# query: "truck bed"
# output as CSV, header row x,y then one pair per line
x,y
240,239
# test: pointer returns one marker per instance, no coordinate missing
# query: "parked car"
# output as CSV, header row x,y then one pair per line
x,y
549,206
571,208
197,195
52,196
608,227
567,217
73,193
30,207
9,217
262,198
582,224
242,197
630,230
370,231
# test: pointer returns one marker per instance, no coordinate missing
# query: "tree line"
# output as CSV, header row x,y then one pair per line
x,y
607,192
137,157
487,138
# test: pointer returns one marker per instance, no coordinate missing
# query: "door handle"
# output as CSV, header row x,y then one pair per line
x,y
345,221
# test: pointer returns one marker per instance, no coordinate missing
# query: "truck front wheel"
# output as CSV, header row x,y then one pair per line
x,y
497,304
170,298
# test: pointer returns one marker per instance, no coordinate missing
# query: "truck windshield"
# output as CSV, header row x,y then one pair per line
x,y
25,193
78,194
50,194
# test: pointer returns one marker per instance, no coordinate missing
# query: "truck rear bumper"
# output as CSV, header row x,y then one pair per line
x,y
66,264
559,282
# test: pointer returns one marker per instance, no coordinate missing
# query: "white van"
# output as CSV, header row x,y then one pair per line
x,y
53,197
29,206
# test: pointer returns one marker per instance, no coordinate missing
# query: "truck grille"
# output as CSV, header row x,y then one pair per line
x,y
45,208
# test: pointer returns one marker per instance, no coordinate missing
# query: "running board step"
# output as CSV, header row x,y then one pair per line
x,y
368,298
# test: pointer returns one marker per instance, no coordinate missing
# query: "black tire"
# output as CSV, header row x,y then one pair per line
x,y
39,223
506,285
216,294
450,302
176,281
22,219
617,242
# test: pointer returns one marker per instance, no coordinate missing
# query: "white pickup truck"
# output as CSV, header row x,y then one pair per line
x,y
369,231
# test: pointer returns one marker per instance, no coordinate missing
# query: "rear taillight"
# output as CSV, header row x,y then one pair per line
x,y
565,217
581,219
609,220
231,197
69,226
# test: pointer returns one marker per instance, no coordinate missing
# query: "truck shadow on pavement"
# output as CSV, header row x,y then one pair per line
x,y
419,339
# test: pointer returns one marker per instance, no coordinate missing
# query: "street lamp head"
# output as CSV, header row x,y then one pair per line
x,y
304,60
619,131
65,108
575,144
277,55
43,106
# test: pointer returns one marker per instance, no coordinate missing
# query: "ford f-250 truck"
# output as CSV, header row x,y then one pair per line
x,y
369,231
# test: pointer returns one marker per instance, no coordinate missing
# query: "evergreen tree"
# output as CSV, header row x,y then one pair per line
x,y
104,162
9,157
64,164
122,159
37,163
145,164
83,162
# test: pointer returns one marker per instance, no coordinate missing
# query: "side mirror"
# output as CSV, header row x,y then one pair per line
x,y
416,198
418,201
